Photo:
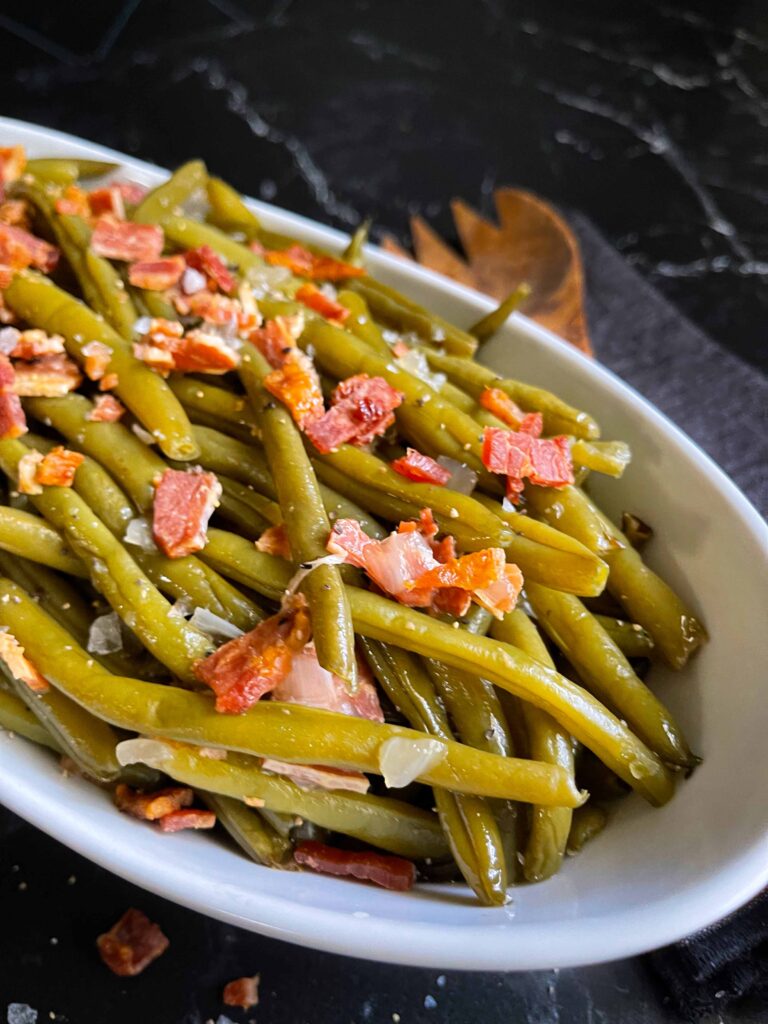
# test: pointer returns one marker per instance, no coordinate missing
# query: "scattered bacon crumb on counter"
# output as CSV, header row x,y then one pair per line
x,y
184,502
382,869
131,944
242,992
20,667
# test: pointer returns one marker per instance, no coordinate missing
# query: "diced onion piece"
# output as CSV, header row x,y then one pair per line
x,y
139,533
104,636
143,435
306,568
463,479
143,750
402,760
213,625
415,363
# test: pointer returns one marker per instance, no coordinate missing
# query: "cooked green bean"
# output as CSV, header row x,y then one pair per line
x,y
607,673
354,251
635,530
66,172
361,323
632,640
306,521
217,406
229,212
567,509
609,457
269,729
189,234
165,199
492,322
146,394
29,536
16,718
547,741
588,822
250,830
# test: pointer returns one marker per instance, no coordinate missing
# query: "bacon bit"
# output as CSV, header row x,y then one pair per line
x,y
13,160
400,349
469,572
309,684
26,472
213,308
242,992
47,377
274,541
313,298
121,240
425,524
15,212
184,502
452,601
306,264
131,944
421,468
106,409
30,344
19,249
73,202
544,461
58,467
131,191
365,865
204,353
97,358
13,422
107,200
362,408
533,424
257,247
297,385
194,818
156,275
157,358
310,776
152,806
241,671
213,266
277,338
502,406
20,667
501,596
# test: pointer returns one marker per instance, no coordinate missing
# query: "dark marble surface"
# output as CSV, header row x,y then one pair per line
x,y
649,121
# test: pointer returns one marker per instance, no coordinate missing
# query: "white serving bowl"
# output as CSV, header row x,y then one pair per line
x,y
654,875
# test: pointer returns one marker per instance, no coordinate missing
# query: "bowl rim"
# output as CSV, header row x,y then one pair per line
x,y
377,937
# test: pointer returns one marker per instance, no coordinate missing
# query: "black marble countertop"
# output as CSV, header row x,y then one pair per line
x,y
649,120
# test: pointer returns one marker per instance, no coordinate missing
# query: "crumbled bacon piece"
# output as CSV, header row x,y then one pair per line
x,y
483,574
107,200
73,202
274,541
242,992
109,382
208,262
152,806
30,344
311,776
20,667
156,275
241,671
13,160
97,357
277,338
311,296
184,502
19,249
48,377
308,683
306,264
212,307
58,467
365,865
131,944
26,472
15,212
297,385
131,191
421,468
544,461
504,408
201,352
424,524
400,350
13,423
362,408
122,240
194,818
106,409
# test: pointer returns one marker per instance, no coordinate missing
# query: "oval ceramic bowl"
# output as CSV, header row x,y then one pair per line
x,y
654,875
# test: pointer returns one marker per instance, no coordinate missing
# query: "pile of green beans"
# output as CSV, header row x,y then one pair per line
x,y
512,705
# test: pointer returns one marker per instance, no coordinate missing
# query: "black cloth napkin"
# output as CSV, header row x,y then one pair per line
x,y
722,403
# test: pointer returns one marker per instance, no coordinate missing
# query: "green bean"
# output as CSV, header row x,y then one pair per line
x,y
112,298
217,405
492,322
240,513
65,172
29,536
354,251
547,741
559,417
632,640
566,509
237,558
469,824
607,673
402,314
269,729
573,707
635,530
16,718
229,212
306,521
588,822
609,457
249,830
189,234
115,574
164,199
361,323
244,462
381,821
40,302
